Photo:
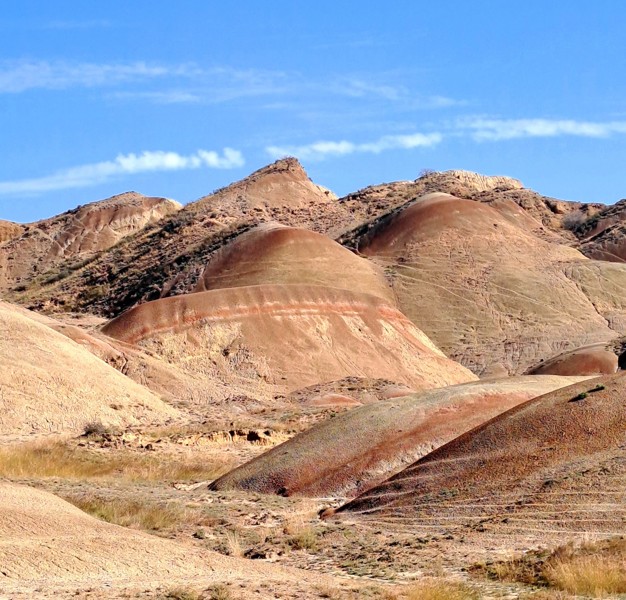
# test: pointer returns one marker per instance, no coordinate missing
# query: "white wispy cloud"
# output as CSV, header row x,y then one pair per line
x,y
124,164
22,75
487,129
325,149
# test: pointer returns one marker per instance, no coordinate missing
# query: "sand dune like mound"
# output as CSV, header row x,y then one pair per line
x,y
290,335
357,449
487,291
47,543
592,360
51,384
555,464
67,239
273,253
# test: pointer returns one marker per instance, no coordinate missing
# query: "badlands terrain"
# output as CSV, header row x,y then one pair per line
x,y
414,391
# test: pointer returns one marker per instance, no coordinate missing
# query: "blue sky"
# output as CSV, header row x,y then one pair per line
x,y
177,99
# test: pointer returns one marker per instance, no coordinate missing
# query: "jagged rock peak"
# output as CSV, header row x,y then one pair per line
x,y
282,183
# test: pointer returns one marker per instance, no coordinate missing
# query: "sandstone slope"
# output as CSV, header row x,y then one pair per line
x,y
555,464
602,234
48,383
168,259
344,455
490,293
9,230
287,335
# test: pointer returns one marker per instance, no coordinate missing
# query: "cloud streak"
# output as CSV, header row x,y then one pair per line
x,y
23,75
124,164
325,149
486,129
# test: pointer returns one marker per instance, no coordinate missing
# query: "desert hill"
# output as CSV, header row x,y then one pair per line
x,y
555,464
168,259
287,335
547,217
602,234
489,292
596,359
76,236
276,254
351,452
50,384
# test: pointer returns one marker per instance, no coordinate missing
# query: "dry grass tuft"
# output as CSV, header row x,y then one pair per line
x,y
219,592
131,513
589,575
591,569
302,535
60,459
183,593
436,589
234,545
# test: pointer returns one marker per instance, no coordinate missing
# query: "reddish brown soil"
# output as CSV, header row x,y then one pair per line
x,y
273,253
355,450
554,464
491,294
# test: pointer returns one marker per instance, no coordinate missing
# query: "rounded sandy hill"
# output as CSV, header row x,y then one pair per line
x,y
487,290
275,254
555,465
50,547
588,360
